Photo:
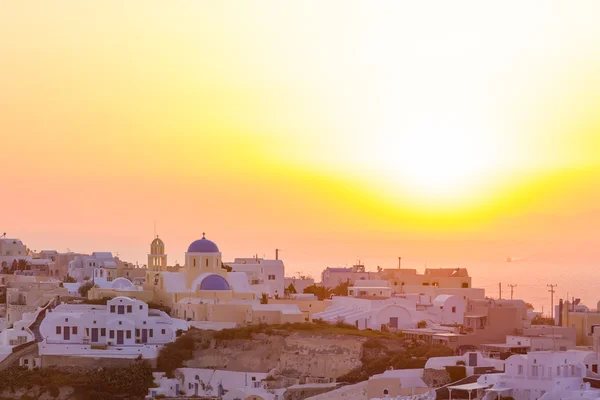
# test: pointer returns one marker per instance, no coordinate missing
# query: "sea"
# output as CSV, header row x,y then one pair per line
x,y
572,274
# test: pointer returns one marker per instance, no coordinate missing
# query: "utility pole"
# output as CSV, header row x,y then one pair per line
x,y
511,290
500,290
552,299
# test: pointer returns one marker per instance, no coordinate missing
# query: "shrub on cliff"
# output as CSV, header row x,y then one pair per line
x,y
377,358
173,355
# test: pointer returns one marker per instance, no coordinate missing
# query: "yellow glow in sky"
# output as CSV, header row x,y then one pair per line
x,y
296,119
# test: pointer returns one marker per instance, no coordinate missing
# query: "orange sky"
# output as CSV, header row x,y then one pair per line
x,y
334,131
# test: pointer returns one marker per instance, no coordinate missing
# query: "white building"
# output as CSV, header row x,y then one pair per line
x,y
551,375
83,266
299,284
370,288
229,385
124,328
264,276
11,250
17,335
332,277
400,312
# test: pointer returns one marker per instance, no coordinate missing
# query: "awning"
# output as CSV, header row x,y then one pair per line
x,y
498,389
469,386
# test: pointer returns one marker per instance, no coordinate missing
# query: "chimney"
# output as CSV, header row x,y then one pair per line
x,y
560,312
277,254
399,262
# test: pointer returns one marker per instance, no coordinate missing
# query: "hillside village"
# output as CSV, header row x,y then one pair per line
x,y
80,326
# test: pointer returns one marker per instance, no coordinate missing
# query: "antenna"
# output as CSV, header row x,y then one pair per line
x,y
154,228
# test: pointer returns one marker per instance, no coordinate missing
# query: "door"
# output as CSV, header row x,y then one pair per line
x,y
393,322
472,359
196,388
67,333
144,335
94,335
120,337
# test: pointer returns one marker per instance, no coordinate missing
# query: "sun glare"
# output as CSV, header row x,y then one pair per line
x,y
438,160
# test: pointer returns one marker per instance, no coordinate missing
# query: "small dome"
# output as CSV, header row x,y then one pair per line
x,y
203,246
157,242
214,282
122,283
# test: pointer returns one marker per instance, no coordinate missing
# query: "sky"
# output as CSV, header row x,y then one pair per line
x,y
334,131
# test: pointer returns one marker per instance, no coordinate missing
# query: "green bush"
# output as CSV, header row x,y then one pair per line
x,y
173,355
131,382
377,358
457,372
85,288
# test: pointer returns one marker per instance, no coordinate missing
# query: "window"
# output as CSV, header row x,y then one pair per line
x,y
74,330
207,262
557,371
112,309
102,331
151,333
137,332
129,309
465,285
58,330
163,331
520,370
121,310
453,309
128,334
271,277
141,307
385,391
112,334
194,262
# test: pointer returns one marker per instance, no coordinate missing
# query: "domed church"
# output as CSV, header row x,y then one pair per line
x,y
201,290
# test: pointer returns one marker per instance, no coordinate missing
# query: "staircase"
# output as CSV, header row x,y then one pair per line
x,y
35,326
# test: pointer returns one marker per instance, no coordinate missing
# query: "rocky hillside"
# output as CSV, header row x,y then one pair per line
x,y
297,351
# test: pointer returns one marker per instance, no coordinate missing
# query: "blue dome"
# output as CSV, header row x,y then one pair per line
x,y
203,246
214,282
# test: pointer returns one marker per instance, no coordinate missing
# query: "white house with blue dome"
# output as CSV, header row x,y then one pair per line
x,y
202,290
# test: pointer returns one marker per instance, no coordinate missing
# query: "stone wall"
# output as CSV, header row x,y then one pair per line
x,y
435,378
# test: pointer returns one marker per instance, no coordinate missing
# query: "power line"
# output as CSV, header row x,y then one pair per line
x,y
512,290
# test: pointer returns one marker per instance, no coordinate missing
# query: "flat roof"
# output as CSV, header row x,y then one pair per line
x,y
506,345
